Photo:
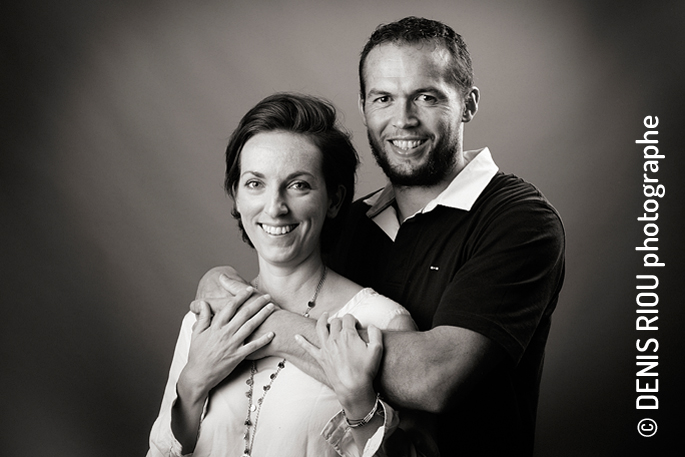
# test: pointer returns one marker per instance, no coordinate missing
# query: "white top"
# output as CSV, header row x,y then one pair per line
x,y
295,412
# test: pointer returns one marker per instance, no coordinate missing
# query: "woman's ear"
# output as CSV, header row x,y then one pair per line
x,y
336,201
233,197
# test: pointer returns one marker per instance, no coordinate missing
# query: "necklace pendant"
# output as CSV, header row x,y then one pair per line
x,y
253,408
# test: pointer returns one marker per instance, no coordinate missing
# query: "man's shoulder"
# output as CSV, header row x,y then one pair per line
x,y
361,205
512,191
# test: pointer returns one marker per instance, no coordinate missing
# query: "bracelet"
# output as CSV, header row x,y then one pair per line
x,y
355,423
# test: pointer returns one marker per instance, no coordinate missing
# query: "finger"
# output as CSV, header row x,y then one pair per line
x,y
335,327
322,328
375,336
195,307
257,344
308,347
234,284
247,310
205,317
232,306
243,327
349,322
210,284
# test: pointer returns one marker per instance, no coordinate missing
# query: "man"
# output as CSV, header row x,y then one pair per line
x,y
475,255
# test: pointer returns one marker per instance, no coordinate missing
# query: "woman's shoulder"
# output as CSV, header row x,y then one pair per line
x,y
370,307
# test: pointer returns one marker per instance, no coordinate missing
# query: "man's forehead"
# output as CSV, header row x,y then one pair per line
x,y
399,59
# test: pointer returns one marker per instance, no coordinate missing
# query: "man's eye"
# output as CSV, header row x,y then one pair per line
x,y
427,98
383,99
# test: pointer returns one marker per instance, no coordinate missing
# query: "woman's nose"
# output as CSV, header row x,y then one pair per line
x,y
276,205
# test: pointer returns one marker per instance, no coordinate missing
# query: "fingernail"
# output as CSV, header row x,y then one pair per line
x,y
271,334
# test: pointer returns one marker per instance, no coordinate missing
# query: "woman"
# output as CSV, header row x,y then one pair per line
x,y
290,172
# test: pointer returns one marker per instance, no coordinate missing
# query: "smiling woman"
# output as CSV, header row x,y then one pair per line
x,y
281,196
290,171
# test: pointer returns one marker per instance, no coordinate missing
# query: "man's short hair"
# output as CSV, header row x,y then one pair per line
x,y
418,30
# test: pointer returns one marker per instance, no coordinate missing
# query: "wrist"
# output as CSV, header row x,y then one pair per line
x,y
188,390
358,405
285,325
377,408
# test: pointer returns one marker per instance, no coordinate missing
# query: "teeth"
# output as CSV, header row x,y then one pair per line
x,y
407,144
278,230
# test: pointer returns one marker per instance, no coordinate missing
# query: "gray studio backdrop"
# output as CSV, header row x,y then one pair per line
x,y
115,117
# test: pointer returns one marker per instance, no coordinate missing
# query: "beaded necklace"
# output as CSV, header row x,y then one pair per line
x,y
250,425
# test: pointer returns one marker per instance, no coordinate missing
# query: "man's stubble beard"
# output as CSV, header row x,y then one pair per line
x,y
441,161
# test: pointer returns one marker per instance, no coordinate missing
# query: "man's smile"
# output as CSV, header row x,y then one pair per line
x,y
407,145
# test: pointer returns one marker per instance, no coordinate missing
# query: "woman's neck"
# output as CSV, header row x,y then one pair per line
x,y
291,287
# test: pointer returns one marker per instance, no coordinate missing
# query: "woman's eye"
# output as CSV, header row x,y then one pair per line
x,y
252,184
300,185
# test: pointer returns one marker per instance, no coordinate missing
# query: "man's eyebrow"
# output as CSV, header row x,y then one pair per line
x,y
377,92
432,89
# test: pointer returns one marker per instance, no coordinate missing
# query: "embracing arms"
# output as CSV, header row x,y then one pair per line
x,y
419,370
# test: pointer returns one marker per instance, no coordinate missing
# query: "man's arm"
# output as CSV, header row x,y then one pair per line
x,y
433,370
427,371
221,284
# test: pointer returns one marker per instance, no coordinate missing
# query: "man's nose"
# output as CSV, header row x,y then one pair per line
x,y
404,116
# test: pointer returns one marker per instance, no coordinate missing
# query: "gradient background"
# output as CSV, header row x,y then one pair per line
x,y
114,121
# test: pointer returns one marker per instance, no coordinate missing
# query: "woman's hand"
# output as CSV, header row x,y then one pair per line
x,y
219,344
349,362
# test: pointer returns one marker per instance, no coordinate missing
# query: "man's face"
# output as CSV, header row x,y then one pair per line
x,y
413,114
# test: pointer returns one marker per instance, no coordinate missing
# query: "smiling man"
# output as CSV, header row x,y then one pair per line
x,y
476,255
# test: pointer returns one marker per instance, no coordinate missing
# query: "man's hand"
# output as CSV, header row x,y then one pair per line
x,y
218,287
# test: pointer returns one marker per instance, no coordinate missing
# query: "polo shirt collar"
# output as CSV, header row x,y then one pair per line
x,y
461,194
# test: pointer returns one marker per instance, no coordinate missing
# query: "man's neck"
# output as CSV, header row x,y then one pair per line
x,y
411,199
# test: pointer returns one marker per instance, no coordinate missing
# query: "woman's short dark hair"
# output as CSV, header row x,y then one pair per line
x,y
314,118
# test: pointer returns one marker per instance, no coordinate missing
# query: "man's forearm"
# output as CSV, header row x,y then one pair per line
x,y
285,326
429,371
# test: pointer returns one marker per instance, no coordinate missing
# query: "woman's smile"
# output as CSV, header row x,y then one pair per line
x,y
278,230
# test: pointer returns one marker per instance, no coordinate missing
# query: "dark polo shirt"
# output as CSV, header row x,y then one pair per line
x,y
487,255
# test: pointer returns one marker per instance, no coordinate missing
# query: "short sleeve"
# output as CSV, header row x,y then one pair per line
x,y
512,278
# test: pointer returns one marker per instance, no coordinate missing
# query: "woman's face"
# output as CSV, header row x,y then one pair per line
x,y
281,196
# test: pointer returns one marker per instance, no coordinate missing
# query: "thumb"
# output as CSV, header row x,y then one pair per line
x,y
307,346
233,284
204,318
375,336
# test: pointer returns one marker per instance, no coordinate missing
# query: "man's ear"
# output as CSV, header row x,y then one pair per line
x,y
471,104
335,202
360,105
